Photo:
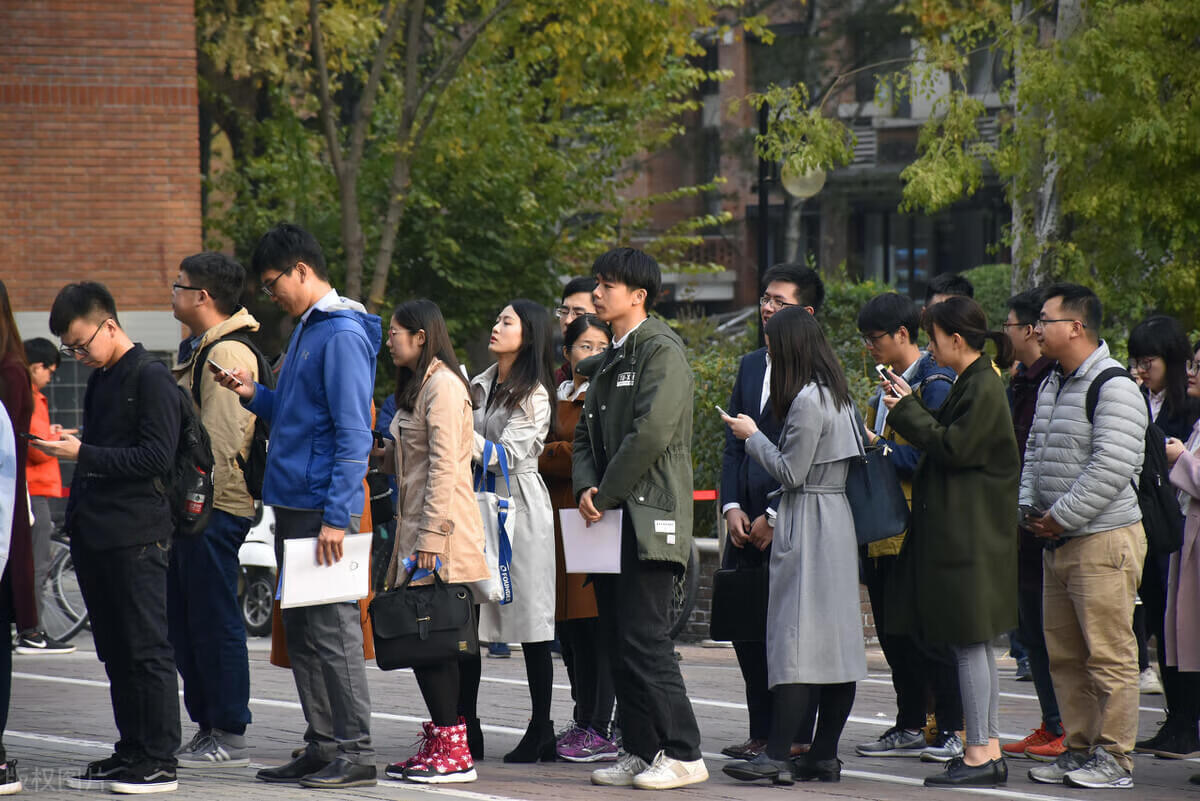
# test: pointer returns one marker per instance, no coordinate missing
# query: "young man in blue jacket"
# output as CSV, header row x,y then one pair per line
x,y
320,419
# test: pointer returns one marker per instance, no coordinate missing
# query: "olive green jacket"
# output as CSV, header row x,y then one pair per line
x,y
633,441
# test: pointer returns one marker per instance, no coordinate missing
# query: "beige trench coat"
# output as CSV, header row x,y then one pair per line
x,y
436,509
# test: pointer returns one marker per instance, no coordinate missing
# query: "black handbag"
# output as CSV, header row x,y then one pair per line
x,y
876,498
739,604
424,625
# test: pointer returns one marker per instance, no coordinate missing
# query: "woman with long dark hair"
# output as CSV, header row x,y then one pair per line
x,y
438,523
513,410
955,576
814,620
583,652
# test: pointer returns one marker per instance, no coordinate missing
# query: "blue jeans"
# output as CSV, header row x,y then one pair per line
x,y
205,624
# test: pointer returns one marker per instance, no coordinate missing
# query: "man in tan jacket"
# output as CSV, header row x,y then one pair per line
x,y
204,618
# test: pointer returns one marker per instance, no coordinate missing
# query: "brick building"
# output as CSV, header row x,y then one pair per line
x,y
99,155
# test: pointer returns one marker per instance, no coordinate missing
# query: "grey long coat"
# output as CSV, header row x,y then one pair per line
x,y
814,622
522,432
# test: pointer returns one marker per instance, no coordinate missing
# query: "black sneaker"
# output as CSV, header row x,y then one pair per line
x,y
97,774
9,783
143,778
32,643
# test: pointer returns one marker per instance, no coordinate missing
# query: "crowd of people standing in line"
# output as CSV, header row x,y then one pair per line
x,y
1025,518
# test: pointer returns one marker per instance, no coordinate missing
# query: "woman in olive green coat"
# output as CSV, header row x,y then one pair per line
x,y
955,580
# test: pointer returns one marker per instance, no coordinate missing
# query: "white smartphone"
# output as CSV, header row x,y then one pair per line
x,y
722,411
221,369
885,374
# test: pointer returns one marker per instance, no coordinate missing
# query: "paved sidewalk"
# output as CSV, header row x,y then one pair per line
x,y
61,719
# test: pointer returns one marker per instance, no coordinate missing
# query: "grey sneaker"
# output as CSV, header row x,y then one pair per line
x,y
946,747
621,774
1056,771
895,742
1100,772
200,736
219,750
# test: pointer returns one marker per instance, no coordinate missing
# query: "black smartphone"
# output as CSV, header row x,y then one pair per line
x,y
31,437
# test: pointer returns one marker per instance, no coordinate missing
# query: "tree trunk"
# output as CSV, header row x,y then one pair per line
x,y
352,234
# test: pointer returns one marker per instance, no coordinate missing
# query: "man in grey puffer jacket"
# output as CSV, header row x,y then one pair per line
x,y
1077,494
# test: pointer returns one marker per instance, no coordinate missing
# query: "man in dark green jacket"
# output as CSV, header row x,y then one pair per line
x,y
633,453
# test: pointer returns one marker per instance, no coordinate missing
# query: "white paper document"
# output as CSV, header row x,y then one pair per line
x,y
307,583
595,548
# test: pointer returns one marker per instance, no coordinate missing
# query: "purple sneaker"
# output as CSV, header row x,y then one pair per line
x,y
569,738
590,747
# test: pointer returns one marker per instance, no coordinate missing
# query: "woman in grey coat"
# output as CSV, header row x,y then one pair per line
x,y
814,623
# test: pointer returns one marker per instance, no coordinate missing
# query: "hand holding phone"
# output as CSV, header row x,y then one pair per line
x,y
885,375
30,437
219,369
722,411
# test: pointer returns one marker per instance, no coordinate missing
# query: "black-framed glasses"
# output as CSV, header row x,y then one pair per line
x,y
870,339
177,287
1042,322
776,303
1007,325
1193,367
81,350
269,287
571,311
1144,364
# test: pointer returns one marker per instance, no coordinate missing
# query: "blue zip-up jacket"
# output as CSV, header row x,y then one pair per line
x,y
320,414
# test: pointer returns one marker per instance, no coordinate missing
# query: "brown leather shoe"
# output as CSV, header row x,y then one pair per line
x,y
747,750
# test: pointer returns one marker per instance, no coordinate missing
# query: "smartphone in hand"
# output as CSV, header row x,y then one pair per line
x,y
30,437
722,411
885,375
219,369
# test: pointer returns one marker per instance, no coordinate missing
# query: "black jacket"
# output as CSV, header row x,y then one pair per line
x,y
114,502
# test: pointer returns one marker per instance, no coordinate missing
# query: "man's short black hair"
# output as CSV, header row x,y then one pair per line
x,y
888,313
580,283
84,299
40,350
810,289
1027,306
1080,301
220,276
285,245
633,268
949,284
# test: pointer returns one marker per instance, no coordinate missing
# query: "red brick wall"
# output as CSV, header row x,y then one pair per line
x,y
99,153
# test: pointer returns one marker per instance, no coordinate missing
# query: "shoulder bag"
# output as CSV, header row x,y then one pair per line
x,y
424,625
876,498
497,513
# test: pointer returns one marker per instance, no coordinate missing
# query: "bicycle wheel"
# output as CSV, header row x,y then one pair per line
x,y
687,584
63,612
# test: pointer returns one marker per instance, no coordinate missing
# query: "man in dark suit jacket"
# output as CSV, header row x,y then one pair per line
x,y
745,491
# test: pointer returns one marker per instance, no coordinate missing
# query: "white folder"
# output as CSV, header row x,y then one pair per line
x,y
307,583
591,549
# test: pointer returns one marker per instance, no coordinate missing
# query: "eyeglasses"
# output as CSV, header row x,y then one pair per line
x,y
586,347
1042,322
269,287
177,287
870,339
571,312
81,350
1144,364
1007,325
775,303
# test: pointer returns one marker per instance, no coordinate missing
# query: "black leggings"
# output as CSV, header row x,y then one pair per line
x,y
792,702
539,671
440,688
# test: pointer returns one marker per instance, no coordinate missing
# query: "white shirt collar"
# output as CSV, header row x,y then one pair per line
x,y
324,302
568,392
616,343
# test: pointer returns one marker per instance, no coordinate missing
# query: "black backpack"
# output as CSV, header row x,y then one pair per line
x,y
189,483
1161,517
254,466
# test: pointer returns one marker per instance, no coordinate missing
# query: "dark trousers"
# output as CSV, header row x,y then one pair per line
x,y
6,621
205,624
1181,691
918,669
1033,638
589,671
125,590
633,604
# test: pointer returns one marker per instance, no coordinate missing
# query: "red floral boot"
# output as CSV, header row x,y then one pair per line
x,y
424,748
449,760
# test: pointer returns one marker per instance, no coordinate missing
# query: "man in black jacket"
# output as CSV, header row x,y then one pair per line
x,y
120,526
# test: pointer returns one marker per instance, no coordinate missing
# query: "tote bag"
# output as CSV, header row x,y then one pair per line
x,y
497,513
876,498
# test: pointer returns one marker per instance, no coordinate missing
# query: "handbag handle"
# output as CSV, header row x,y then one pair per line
x,y
482,475
859,425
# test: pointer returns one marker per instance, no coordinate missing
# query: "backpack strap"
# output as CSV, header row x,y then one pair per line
x,y
1093,393
131,388
264,369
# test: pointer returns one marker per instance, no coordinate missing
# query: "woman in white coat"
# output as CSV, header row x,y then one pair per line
x,y
514,409
815,648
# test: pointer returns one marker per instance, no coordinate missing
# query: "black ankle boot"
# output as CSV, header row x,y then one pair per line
x,y
806,769
536,745
474,738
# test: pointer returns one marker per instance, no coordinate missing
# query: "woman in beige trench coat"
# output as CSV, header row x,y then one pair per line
x,y
437,518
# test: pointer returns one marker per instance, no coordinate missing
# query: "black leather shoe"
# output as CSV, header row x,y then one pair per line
x,y
341,773
959,774
807,769
761,767
293,771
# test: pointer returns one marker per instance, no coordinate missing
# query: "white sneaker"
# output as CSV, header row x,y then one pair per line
x,y
1148,683
666,773
621,774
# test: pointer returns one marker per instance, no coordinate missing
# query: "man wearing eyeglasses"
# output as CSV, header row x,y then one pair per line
x,y
744,490
1077,496
576,302
121,527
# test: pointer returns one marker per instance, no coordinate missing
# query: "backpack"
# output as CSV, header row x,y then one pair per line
x,y
254,465
1161,517
188,483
